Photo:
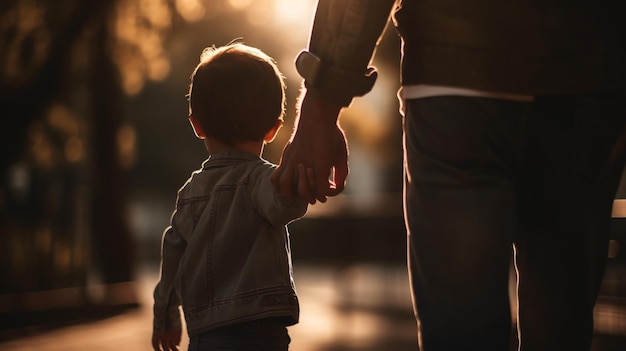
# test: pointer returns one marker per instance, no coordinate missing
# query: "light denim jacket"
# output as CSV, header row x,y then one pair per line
x,y
226,255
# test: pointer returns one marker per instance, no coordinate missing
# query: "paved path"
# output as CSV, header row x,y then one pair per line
x,y
359,308
359,325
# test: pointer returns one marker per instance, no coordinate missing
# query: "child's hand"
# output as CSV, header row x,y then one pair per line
x,y
166,341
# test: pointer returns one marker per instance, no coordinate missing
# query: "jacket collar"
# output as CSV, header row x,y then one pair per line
x,y
229,157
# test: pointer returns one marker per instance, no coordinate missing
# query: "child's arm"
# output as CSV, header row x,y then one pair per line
x,y
167,323
273,206
166,341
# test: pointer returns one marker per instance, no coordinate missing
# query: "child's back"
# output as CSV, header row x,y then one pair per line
x,y
226,257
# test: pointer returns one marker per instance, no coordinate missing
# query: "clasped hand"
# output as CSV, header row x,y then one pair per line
x,y
314,164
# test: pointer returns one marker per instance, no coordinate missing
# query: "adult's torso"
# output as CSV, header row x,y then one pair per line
x,y
516,46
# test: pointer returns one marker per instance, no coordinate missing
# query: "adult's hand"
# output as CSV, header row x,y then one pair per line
x,y
314,164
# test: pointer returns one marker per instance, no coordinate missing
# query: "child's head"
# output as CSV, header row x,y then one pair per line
x,y
237,93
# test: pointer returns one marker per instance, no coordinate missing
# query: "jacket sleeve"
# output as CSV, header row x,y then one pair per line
x,y
271,205
166,302
343,39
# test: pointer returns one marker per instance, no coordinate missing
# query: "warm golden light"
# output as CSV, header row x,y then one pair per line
x,y
60,118
159,68
140,29
239,4
294,11
260,14
190,10
74,149
126,144
156,12
25,21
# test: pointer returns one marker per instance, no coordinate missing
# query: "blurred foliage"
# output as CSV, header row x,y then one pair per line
x,y
66,145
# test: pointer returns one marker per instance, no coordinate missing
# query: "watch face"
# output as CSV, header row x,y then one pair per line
x,y
308,66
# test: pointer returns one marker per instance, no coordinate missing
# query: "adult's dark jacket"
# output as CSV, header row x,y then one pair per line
x,y
513,46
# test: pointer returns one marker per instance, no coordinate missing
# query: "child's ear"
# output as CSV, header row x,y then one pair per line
x,y
197,128
271,134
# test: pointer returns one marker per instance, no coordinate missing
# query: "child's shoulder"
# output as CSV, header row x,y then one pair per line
x,y
262,168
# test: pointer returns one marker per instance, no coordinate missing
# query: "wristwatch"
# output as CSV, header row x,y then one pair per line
x,y
335,84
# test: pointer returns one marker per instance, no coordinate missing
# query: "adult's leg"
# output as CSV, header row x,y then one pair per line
x,y
461,158
573,163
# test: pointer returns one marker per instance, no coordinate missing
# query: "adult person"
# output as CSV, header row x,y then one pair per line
x,y
514,142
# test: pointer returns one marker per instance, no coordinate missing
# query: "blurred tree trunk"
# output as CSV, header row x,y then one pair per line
x,y
36,82
43,205
113,241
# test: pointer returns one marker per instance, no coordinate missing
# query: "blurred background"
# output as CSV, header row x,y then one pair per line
x,y
96,143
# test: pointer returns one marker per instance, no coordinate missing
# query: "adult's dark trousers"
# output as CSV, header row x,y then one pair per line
x,y
490,181
259,335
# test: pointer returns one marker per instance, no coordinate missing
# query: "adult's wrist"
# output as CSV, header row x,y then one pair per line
x,y
314,108
333,84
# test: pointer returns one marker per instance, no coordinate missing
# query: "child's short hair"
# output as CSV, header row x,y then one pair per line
x,y
237,93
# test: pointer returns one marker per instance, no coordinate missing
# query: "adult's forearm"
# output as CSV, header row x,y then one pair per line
x,y
343,39
345,32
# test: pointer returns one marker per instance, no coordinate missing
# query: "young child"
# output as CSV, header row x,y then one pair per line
x,y
226,255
